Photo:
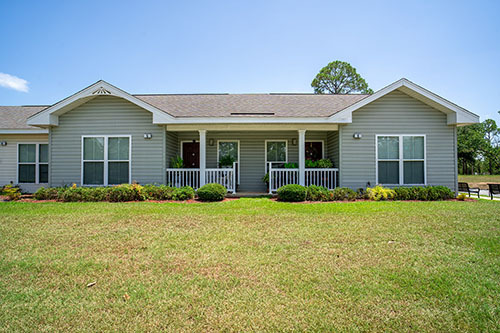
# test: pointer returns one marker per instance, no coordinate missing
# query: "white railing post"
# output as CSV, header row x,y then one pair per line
x,y
234,177
203,151
302,157
270,178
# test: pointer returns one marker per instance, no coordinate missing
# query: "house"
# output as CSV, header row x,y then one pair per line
x,y
401,135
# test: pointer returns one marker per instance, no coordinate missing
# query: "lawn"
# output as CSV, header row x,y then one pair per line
x,y
250,265
480,181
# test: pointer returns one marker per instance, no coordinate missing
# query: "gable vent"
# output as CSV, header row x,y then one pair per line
x,y
101,91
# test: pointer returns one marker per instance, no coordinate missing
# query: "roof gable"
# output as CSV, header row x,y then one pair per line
x,y
50,115
456,115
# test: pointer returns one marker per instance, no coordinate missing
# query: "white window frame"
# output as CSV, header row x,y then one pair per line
x,y
265,152
106,159
37,161
322,147
238,161
401,158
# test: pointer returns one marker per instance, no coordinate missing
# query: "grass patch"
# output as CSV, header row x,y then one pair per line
x,y
250,265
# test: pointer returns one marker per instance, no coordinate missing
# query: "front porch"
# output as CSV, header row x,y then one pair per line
x,y
253,161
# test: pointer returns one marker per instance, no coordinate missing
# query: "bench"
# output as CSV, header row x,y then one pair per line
x,y
464,187
494,189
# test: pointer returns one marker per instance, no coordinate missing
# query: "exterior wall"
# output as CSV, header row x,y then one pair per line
x,y
397,113
333,147
252,152
172,148
107,115
8,158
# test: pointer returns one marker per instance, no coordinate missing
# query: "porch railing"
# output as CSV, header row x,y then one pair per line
x,y
326,177
191,177
183,177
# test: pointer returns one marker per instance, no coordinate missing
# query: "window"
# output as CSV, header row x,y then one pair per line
x,y
105,160
33,163
276,152
401,159
227,148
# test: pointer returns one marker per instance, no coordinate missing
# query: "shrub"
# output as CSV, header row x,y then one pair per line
x,y
13,193
177,162
343,193
94,194
291,165
71,194
126,192
378,193
49,193
461,196
428,193
292,193
158,192
212,192
183,193
361,193
324,163
226,160
317,193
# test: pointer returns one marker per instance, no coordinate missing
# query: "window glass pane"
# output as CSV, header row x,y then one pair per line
x,y
93,148
413,147
93,173
228,149
413,172
26,173
118,148
43,154
388,148
117,173
388,172
27,153
43,173
276,151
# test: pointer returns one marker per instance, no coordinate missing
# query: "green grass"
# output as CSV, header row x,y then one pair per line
x,y
250,265
480,181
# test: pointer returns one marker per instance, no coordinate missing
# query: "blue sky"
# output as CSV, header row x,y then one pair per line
x,y
449,47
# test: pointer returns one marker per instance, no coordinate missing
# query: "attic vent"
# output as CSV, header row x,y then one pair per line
x,y
252,113
101,91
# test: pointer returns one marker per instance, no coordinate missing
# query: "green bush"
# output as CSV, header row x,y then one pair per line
x,y
212,192
12,192
71,194
317,193
324,163
126,192
428,193
343,193
183,193
461,196
49,193
361,193
158,192
379,193
292,193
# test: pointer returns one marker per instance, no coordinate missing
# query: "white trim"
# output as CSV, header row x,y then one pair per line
x,y
322,146
456,114
36,163
265,151
106,160
24,131
401,158
238,161
49,116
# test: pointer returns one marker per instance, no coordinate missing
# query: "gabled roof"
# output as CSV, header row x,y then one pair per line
x,y
49,116
251,105
456,114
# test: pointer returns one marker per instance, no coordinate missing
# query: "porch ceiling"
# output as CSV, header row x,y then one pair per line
x,y
251,127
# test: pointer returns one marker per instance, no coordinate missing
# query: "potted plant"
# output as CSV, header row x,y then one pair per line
x,y
226,161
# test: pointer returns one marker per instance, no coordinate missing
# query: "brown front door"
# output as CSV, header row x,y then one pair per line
x,y
191,154
314,150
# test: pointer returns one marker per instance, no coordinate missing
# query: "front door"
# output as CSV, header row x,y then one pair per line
x,y
314,150
191,154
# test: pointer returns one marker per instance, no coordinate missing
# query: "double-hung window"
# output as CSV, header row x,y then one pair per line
x,y
33,163
276,152
105,160
401,159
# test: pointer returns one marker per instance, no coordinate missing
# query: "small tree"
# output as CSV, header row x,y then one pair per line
x,y
339,77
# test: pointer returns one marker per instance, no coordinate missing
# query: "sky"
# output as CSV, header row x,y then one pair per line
x,y
52,49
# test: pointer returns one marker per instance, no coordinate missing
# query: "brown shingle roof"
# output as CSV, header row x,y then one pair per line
x,y
227,105
14,117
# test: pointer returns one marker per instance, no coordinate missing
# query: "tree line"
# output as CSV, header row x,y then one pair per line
x,y
478,147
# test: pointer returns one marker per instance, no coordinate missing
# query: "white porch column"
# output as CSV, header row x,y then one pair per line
x,y
203,155
302,157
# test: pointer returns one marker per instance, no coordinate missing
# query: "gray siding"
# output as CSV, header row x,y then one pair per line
x,y
106,115
8,158
397,113
171,147
333,147
252,152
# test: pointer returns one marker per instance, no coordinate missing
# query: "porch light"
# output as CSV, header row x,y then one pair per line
x,y
148,136
211,142
357,135
3,143
294,142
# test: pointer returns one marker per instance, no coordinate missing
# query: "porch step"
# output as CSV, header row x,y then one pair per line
x,y
248,195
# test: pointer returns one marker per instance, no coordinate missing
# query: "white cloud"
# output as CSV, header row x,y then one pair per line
x,y
13,82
